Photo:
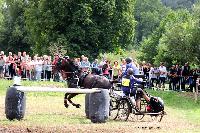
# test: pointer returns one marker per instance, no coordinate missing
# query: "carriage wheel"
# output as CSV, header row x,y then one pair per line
x,y
113,108
124,109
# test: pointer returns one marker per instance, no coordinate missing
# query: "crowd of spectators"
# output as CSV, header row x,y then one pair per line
x,y
26,67
40,68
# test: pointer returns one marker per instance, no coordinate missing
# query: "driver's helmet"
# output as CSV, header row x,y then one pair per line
x,y
128,60
130,71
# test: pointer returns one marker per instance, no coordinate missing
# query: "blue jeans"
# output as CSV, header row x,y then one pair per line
x,y
38,75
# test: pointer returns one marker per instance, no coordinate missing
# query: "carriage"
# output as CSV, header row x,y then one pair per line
x,y
122,107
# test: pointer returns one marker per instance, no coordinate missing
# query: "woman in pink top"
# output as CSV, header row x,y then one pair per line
x,y
105,69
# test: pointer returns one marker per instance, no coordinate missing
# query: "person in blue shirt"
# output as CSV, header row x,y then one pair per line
x,y
127,86
130,64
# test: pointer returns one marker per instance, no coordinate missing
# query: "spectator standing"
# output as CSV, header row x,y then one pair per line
x,y
163,75
173,78
185,75
11,66
29,68
123,66
95,67
105,69
85,64
146,69
178,77
2,64
38,69
116,70
48,68
153,76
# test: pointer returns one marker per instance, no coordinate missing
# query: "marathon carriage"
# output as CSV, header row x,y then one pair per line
x,y
121,106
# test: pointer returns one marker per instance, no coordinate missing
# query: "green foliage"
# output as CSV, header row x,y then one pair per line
x,y
175,40
14,35
82,27
148,14
118,56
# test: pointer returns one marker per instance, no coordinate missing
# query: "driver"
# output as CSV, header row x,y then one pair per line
x,y
128,81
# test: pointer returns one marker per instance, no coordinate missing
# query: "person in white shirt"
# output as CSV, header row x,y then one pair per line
x,y
163,74
123,66
153,75
38,69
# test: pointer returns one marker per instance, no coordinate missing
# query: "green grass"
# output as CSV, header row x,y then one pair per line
x,y
182,103
46,110
4,85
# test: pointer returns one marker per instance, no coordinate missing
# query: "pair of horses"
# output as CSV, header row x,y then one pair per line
x,y
71,72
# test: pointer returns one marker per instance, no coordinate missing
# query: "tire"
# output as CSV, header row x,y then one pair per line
x,y
113,110
99,106
15,104
124,110
87,99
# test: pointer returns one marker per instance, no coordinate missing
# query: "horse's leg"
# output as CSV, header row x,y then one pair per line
x,y
65,100
70,97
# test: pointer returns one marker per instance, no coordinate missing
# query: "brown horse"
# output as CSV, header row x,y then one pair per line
x,y
71,72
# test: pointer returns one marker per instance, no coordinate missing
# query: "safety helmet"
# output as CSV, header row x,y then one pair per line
x,y
128,60
130,71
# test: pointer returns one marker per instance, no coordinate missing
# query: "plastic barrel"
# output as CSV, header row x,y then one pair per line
x,y
99,106
15,104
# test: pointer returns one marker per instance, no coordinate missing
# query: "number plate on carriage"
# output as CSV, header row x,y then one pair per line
x,y
125,82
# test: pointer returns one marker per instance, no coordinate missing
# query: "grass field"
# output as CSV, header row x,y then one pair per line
x,y
45,113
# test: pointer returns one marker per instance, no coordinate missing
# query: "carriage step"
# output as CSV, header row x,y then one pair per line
x,y
147,113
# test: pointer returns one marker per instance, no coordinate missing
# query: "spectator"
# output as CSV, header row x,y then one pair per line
x,y
163,75
29,68
153,76
85,64
38,69
185,74
105,69
47,68
116,70
11,66
123,66
146,69
2,64
95,67
172,78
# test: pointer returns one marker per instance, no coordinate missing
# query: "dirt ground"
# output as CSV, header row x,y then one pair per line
x,y
170,123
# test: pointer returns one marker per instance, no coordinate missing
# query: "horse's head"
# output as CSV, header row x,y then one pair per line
x,y
67,67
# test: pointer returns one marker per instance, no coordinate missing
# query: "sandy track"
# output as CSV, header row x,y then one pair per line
x,y
170,123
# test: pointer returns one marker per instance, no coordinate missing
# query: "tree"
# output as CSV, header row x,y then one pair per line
x,y
148,14
177,43
14,35
82,27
